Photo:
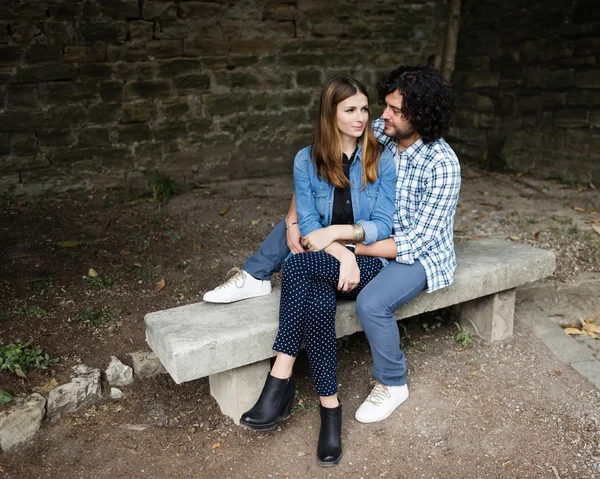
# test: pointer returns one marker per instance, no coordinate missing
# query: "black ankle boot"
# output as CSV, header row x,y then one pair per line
x,y
329,451
275,402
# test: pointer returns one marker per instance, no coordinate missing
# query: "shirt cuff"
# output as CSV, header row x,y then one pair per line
x,y
404,253
370,231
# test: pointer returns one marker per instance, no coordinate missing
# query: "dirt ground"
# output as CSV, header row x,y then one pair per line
x,y
501,410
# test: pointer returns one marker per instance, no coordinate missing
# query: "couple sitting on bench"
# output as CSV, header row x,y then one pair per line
x,y
372,220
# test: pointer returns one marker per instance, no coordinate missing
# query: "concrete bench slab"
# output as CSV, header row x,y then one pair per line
x,y
231,343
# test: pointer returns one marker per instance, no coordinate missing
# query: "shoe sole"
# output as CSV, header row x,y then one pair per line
x,y
236,300
264,427
330,464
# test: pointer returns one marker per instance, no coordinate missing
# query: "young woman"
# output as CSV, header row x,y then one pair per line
x,y
345,190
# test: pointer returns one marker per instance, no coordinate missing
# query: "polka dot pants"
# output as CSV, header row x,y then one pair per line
x,y
307,311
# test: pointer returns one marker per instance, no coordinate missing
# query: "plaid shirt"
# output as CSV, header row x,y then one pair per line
x,y
427,188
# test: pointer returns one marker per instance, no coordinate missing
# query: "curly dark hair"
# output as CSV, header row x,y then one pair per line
x,y
426,100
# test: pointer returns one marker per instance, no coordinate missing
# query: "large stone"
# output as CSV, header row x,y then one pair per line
x,y
39,52
571,118
146,364
107,32
148,89
203,339
95,71
155,10
81,54
83,391
21,422
47,72
118,374
164,48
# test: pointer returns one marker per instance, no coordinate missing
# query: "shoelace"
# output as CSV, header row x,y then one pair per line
x,y
238,274
379,393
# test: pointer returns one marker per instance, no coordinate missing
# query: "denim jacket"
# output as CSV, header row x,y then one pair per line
x,y
373,206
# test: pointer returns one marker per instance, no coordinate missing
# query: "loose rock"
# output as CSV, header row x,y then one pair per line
x,y
116,393
146,364
118,374
83,391
22,421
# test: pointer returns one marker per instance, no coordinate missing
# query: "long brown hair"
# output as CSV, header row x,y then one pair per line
x,y
327,151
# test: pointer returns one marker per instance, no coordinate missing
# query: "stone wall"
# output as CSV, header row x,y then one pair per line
x,y
527,87
95,92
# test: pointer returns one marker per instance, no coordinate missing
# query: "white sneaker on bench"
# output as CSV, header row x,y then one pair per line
x,y
382,402
240,286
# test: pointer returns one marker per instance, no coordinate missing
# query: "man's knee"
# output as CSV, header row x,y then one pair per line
x,y
369,308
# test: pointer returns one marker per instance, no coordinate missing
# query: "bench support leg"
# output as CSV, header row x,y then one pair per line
x,y
237,390
493,316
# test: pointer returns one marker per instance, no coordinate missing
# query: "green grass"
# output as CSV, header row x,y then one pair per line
x,y
43,284
19,357
161,187
100,281
146,277
34,311
95,318
464,338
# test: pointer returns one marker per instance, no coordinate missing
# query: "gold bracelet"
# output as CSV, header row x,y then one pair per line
x,y
359,233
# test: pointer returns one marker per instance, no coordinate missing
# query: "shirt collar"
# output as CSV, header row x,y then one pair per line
x,y
355,153
412,152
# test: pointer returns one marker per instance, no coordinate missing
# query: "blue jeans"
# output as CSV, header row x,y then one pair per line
x,y
270,255
394,286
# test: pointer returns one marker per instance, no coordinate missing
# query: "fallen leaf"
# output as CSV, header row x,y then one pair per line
x,y
593,335
596,228
92,273
160,285
480,217
192,430
216,445
578,208
574,331
537,235
19,372
516,238
49,386
137,265
592,328
254,222
124,252
224,211
302,454
69,243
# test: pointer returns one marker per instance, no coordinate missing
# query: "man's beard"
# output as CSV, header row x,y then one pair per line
x,y
403,134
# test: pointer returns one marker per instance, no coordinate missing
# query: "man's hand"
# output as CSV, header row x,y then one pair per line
x,y
318,240
293,239
349,273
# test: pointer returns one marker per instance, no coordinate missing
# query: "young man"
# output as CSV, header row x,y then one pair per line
x,y
417,112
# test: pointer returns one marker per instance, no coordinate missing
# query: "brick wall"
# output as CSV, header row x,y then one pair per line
x,y
527,87
94,92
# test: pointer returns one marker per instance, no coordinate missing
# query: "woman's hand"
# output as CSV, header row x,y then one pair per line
x,y
318,240
293,237
349,273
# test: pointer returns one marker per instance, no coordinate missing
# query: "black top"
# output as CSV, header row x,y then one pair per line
x,y
342,198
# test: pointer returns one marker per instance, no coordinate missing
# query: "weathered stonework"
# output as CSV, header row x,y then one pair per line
x,y
527,87
94,92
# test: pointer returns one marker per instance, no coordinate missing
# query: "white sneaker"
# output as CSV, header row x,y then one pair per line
x,y
240,286
382,402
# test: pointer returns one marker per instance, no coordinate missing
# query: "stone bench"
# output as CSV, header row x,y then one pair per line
x,y
231,343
